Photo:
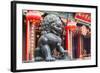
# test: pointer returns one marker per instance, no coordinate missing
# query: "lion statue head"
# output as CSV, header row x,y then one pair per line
x,y
51,24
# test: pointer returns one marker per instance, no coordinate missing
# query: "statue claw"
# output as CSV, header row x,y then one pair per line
x,y
50,59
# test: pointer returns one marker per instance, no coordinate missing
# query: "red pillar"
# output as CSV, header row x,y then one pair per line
x,y
28,54
66,37
27,40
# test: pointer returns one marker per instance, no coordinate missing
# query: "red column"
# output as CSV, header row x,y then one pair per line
x,y
71,26
66,37
26,48
34,18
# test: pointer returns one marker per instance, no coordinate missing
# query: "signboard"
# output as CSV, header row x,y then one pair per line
x,y
84,17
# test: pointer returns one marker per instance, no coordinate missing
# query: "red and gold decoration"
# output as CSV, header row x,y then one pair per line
x,y
84,17
33,19
71,26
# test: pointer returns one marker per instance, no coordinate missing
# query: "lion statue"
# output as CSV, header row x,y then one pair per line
x,y
50,39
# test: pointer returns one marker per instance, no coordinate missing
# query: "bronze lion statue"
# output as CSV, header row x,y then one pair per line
x,y
50,39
